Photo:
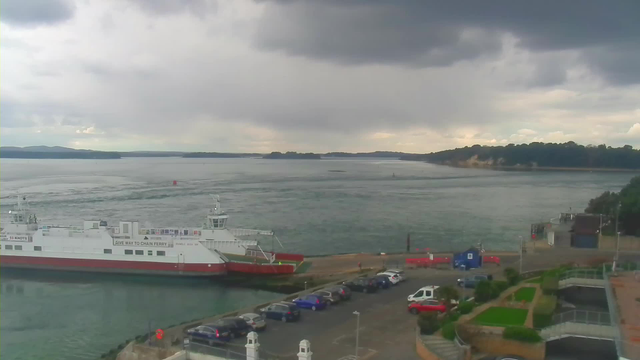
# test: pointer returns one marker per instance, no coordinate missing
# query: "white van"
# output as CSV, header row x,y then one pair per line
x,y
426,293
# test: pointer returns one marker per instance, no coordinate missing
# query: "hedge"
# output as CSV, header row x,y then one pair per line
x,y
520,333
543,311
449,331
484,291
465,307
512,275
497,287
549,285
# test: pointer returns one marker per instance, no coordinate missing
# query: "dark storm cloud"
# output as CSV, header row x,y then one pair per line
x,y
437,33
35,12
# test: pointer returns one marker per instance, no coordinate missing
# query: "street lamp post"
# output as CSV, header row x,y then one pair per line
x,y
615,259
357,314
521,243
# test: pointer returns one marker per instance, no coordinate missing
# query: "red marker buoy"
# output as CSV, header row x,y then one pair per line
x,y
175,182
159,334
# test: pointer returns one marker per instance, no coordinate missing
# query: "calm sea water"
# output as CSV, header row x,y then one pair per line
x,y
314,207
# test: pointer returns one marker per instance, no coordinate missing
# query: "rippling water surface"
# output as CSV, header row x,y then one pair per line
x,y
314,207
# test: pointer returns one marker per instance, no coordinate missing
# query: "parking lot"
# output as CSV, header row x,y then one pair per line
x,y
386,328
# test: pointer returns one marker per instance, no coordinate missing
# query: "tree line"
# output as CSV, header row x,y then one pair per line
x,y
626,204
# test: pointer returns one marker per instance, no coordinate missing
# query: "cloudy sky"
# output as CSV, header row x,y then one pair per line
x,y
324,75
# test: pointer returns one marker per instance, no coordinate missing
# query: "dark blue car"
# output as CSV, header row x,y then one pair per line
x,y
281,311
210,334
382,281
311,301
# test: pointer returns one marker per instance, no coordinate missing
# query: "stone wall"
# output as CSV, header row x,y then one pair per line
x,y
496,345
626,243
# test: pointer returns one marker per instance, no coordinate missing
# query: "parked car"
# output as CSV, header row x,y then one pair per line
x,y
424,293
426,305
343,291
256,321
332,296
382,281
400,273
281,311
364,285
237,327
210,333
313,302
393,277
472,281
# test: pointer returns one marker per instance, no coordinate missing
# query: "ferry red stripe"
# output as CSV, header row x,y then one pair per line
x,y
25,261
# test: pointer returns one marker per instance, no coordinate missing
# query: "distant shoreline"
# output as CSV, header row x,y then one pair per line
x,y
536,168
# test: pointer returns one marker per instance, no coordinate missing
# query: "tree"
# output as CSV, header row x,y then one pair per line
x,y
512,275
448,293
629,200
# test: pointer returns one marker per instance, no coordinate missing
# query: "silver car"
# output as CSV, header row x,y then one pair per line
x,y
256,321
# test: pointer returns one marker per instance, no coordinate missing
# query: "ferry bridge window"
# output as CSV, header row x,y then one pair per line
x,y
150,252
8,247
128,252
108,251
37,248
18,247
139,252
160,253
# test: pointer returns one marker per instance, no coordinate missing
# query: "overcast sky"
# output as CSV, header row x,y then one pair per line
x,y
325,75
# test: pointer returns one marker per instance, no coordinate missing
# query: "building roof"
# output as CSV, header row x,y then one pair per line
x,y
587,224
471,249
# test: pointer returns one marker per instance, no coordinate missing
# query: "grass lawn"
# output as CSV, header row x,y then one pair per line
x,y
536,280
499,316
525,293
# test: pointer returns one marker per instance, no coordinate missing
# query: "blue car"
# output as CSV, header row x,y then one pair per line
x,y
313,302
382,281
284,311
210,334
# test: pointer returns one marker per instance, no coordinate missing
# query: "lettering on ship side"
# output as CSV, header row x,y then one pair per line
x,y
20,238
144,243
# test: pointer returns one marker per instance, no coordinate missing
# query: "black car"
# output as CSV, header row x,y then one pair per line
x,y
342,290
364,285
211,334
472,281
237,327
382,281
281,311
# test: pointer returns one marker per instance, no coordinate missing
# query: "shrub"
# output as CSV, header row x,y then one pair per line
x,y
520,333
448,293
512,275
497,287
543,311
549,285
465,307
450,317
483,292
449,331
428,322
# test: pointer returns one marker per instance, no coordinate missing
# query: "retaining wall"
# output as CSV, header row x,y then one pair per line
x,y
626,243
496,345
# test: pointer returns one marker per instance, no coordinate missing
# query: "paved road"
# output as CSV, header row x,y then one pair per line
x,y
386,328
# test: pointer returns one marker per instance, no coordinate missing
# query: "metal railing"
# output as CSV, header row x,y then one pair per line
x,y
583,317
582,274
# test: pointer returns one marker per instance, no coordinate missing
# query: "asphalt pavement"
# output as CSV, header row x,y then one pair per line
x,y
386,328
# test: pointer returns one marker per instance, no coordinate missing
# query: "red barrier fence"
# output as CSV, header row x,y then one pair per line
x,y
259,268
428,261
289,257
491,260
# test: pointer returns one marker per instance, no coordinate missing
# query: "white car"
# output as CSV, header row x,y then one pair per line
x,y
256,321
426,293
393,278
400,273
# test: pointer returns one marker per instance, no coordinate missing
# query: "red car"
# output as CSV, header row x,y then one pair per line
x,y
427,305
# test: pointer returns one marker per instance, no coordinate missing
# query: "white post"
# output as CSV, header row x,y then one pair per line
x,y
252,346
305,350
357,314
615,259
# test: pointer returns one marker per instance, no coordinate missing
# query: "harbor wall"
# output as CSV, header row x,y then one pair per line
x,y
626,243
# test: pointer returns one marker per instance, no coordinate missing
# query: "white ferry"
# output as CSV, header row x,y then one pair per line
x,y
129,248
